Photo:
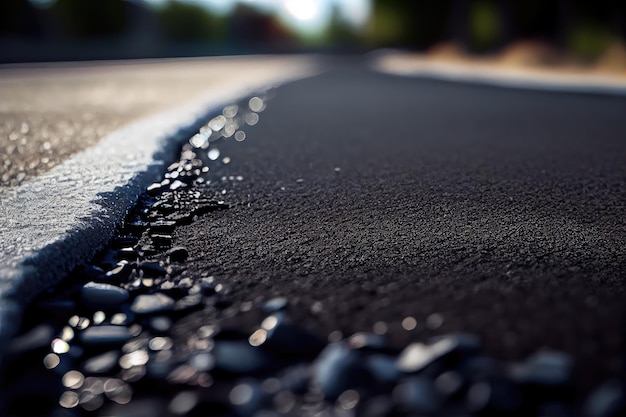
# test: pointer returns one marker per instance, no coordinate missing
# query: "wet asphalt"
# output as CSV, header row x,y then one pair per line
x,y
368,198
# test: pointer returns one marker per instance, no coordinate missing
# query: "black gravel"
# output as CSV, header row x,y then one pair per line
x,y
376,246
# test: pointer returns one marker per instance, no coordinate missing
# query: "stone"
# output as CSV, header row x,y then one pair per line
x,y
275,304
544,368
102,295
418,356
105,335
162,227
416,395
188,303
120,242
296,379
120,273
104,363
339,368
608,400
383,367
177,254
289,339
152,269
493,396
368,342
36,338
239,357
152,303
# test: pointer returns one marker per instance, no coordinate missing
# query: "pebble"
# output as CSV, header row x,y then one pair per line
x,y
124,241
102,295
105,335
383,367
416,395
152,269
493,396
36,338
418,356
339,368
162,240
104,363
275,304
239,357
608,400
289,339
545,369
152,303
368,341
120,273
177,254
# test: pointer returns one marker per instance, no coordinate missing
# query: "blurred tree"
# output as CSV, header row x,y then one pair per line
x,y
340,34
249,27
415,24
535,19
189,22
91,19
480,26
592,26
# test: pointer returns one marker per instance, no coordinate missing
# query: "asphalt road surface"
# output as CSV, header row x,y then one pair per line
x,y
371,197
400,206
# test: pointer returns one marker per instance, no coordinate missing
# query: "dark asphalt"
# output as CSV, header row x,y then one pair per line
x,y
368,197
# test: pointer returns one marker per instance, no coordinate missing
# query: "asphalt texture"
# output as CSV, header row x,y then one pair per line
x,y
354,201
368,198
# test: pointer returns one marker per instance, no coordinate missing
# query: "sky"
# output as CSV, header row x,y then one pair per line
x,y
304,15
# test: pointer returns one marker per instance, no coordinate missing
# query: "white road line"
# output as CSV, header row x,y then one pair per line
x,y
62,218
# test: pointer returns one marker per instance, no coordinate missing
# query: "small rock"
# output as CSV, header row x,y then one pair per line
x,y
383,367
418,356
154,189
247,398
92,272
177,254
162,227
101,295
608,400
160,325
120,273
275,304
120,242
239,357
368,342
127,254
289,339
449,383
480,367
36,338
161,240
152,303
338,369
416,395
105,335
464,343
296,379
544,368
103,363
189,302
152,269
493,396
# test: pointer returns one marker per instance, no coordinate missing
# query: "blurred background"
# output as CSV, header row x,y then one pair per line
x,y
542,32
